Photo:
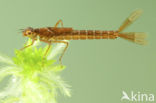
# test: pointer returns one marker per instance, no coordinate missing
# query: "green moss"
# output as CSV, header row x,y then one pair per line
x,y
36,78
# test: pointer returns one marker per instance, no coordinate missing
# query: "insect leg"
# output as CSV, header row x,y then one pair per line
x,y
58,22
33,40
49,45
66,43
50,42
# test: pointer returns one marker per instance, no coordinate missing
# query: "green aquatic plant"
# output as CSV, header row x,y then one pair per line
x,y
32,78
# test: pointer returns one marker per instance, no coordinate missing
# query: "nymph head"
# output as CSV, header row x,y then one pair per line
x,y
29,32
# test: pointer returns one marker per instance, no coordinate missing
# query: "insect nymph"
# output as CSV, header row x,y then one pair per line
x,y
57,34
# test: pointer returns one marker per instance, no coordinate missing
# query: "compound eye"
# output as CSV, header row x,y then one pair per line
x,y
28,32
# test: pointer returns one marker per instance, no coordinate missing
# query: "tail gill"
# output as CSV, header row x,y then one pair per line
x,y
136,37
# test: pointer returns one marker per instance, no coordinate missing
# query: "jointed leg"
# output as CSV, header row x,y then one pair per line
x,y
50,42
58,22
66,43
49,45
29,45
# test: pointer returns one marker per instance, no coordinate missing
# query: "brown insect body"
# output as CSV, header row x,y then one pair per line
x,y
58,34
54,34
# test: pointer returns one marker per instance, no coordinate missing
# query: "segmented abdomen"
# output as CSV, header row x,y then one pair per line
x,y
86,34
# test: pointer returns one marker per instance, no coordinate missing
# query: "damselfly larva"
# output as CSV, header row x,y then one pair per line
x,y
57,34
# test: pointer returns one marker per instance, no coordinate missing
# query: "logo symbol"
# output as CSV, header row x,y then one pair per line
x,y
125,96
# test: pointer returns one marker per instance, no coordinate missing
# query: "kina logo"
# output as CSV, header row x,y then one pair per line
x,y
137,96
